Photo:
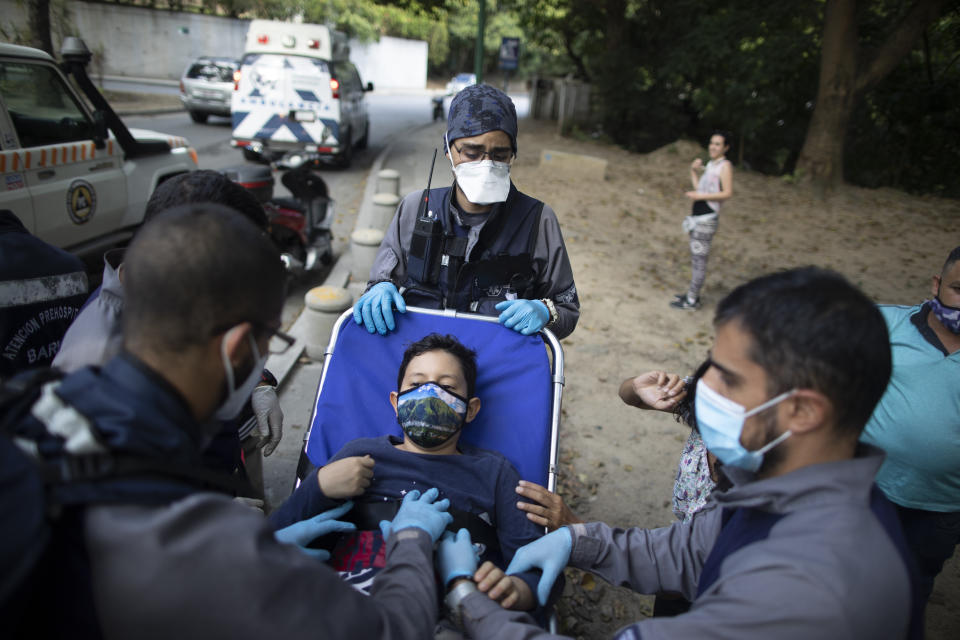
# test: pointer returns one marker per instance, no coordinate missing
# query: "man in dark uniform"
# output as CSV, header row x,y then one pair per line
x,y
479,245
41,291
153,551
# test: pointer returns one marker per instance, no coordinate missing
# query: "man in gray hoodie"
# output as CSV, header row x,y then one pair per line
x,y
803,544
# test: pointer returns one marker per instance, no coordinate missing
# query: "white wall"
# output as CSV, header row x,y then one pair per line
x,y
158,44
391,63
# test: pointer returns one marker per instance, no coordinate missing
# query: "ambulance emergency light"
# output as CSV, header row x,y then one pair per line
x,y
288,38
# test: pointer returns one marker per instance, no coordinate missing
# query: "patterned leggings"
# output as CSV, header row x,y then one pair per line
x,y
700,239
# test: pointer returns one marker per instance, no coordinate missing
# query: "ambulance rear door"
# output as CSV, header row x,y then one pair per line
x,y
284,101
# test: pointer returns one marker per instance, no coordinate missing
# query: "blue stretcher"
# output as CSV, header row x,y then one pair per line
x,y
519,381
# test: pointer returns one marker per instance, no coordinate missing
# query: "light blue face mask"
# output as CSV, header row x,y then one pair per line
x,y
720,421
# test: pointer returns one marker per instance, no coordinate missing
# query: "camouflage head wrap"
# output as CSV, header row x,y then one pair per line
x,y
481,108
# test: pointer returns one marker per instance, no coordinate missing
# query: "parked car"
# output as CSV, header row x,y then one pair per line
x,y
206,87
72,171
461,81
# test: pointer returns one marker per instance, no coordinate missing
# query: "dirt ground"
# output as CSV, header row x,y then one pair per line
x,y
630,256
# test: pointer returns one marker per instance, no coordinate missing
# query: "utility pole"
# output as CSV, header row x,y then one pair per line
x,y
478,55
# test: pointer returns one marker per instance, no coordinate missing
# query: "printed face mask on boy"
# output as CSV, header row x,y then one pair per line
x,y
482,181
720,421
430,415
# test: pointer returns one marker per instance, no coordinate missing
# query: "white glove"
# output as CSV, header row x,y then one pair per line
x,y
266,407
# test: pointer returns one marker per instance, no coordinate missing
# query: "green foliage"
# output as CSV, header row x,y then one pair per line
x,y
904,133
662,69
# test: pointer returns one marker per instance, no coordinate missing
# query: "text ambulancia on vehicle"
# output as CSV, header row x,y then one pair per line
x,y
297,96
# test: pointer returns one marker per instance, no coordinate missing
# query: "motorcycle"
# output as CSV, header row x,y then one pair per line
x,y
299,225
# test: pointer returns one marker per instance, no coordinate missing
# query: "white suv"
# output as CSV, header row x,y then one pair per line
x,y
74,174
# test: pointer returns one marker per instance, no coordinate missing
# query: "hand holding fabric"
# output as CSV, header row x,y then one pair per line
x,y
346,477
510,592
524,316
420,512
374,309
456,556
549,510
550,554
266,408
306,531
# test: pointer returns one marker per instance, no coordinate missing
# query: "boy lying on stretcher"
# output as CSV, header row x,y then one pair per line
x,y
435,401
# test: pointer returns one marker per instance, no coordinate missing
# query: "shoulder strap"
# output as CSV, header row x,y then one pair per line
x,y
535,229
100,468
17,397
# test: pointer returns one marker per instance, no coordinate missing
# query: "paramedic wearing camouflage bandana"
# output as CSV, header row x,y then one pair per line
x,y
502,253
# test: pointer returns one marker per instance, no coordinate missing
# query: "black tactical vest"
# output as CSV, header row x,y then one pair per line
x,y
501,262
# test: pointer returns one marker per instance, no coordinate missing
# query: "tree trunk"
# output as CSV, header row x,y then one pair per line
x,y
844,80
39,22
821,159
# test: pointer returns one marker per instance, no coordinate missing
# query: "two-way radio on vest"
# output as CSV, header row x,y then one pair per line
x,y
427,241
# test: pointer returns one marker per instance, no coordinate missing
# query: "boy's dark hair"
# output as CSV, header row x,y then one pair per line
x,y
812,329
205,186
450,344
196,270
951,259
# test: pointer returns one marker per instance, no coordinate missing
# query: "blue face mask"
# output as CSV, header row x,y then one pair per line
x,y
720,421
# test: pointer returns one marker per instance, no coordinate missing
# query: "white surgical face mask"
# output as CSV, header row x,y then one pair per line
x,y
720,422
237,396
483,181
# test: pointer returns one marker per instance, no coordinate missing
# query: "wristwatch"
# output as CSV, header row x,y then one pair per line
x,y
552,308
455,597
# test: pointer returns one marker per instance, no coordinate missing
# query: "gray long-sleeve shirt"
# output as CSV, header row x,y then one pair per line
x,y
206,566
827,568
96,335
554,273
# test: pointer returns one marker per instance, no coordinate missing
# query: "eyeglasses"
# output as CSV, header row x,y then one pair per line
x,y
279,343
476,152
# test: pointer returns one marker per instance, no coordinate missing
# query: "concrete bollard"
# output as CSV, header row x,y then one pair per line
x,y
384,206
363,250
388,181
323,306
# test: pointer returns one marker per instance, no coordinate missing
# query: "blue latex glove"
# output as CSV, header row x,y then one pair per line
x,y
456,557
374,308
306,531
420,512
525,316
550,554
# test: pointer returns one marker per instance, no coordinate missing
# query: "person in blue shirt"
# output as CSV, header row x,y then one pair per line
x,y
917,422
434,401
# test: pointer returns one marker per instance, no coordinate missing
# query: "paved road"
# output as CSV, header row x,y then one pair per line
x,y
390,114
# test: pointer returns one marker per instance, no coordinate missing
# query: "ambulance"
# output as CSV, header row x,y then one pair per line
x,y
72,172
297,96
